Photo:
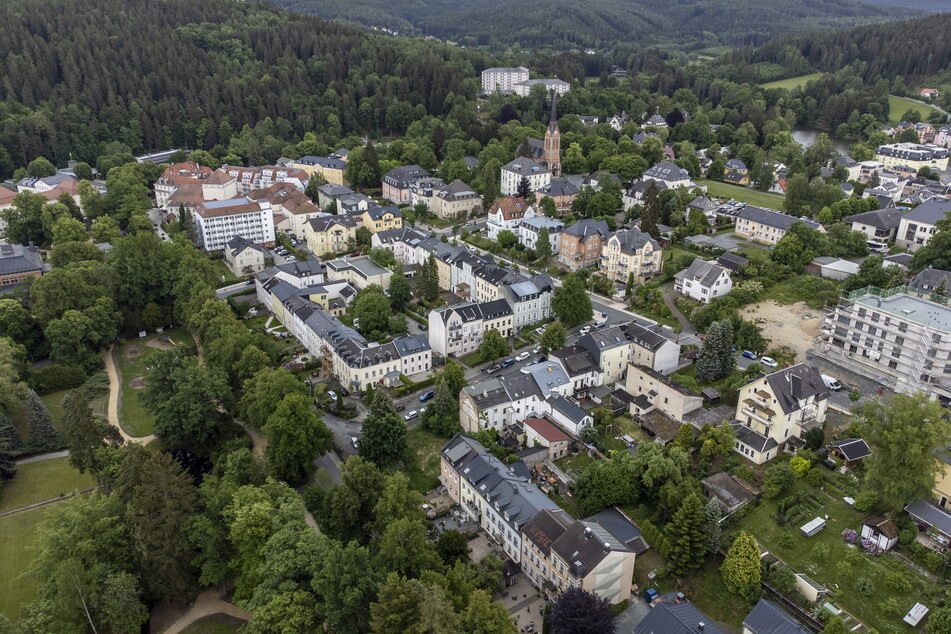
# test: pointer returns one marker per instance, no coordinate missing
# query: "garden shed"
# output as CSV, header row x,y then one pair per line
x,y
881,531
813,526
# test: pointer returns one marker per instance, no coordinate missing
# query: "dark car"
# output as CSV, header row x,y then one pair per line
x,y
507,363
425,396
423,328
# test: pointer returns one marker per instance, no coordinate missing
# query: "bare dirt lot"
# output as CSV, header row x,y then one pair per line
x,y
161,343
793,325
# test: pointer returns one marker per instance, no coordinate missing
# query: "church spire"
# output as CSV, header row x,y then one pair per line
x,y
553,120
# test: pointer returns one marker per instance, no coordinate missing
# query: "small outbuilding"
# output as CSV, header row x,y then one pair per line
x,y
850,451
813,526
728,489
881,531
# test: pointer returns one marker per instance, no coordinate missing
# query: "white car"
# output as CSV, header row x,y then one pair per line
x,y
332,395
584,330
536,349
522,356
539,330
410,415
355,442
769,362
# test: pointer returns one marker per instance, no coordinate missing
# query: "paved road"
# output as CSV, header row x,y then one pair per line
x,y
45,456
226,291
155,215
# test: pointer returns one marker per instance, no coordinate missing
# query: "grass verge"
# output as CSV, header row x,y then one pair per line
x,y
791,82
40,481
19,534
742,194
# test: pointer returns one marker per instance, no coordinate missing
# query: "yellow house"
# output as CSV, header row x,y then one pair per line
x,y
630,251
942,486
330,168
382,218
331,234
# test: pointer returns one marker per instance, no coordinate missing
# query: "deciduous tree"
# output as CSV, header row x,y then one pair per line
x,y
493,346
578,611
296,437
264,391
553,337
384,433
571,303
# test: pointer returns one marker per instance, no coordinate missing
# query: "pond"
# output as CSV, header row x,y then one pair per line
x,y
806,136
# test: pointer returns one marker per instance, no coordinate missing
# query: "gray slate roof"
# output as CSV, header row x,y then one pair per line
x,y
706,272
16,259
880,218
667,171
796,383
401,177
929,279
588,227
633,240
769,618
676,618
772,218
930,212
926,512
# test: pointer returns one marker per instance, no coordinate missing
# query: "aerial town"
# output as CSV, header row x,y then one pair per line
x,y
590,342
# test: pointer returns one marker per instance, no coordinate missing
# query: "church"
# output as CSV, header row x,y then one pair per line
x,y
539,160
547,152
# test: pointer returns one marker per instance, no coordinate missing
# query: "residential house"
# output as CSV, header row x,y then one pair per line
x,y
918,225
380,218
637,192
503,80
766,225
914,155
540,432
328,193
901,260
929,93
562,191
581,367
932,520
529,229
455,201
736,165
588,120
611,349
655,121
513,172
490,493
218,221
773,411
332,169
929,281
676,618
670,174
618,121
530,300
360,271
853,167
705,206
652,390
500,403
459,330
397,183
402,242
507,214
898,335
18,262
630,252
243,257
768,618
331,234
737,178
568,414
703,281
881,224
728,489
942,137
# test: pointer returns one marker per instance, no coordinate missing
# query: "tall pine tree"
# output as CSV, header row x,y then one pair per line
x,y
42,435
688,541
741,568
651,214
9,433
716,357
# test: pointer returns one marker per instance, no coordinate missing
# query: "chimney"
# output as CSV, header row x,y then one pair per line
x,y
701,625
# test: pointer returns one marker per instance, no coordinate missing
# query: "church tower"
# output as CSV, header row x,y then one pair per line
x,y
551,156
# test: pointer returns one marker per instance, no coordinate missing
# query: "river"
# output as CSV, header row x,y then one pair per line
x,y
806,136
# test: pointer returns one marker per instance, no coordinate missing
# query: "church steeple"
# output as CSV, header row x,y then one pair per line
x,y
551,156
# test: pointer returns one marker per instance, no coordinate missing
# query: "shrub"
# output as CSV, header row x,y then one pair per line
x,y
800,465
56,377
892,607
843,568
865,500
897,581
864,587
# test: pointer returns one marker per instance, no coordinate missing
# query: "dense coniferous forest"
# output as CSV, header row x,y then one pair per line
x,y
680,24
77,74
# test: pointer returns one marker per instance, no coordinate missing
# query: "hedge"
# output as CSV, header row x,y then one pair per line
x,y
56,377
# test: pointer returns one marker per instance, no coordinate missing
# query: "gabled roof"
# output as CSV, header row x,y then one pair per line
x,y
773,218
588,227
545,429
930,212
703,204
676,618
927,513
543,529
567,409
752,438
731,261
621,527
852,448
796,383
706,273
735,164
769,618
576,360
879,218
666,171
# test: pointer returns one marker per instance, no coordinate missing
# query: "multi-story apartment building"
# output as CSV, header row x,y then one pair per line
x,y
217,222
250,178
913,155
459,330
616,347
331,168
381,218
360,271
513,172
896,334
916,227
18,262
653,390
582,368
767,226
398,183
402,242
530,300
449,202
580,244
703,281
331,234
670,174
773,411
490,493
503,80
524,89
630,252
499,403
529,230
290,203
176,176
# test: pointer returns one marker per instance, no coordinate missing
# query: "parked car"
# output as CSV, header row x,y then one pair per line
x,y
831,382
539,330
423,327
522,356
769,362
494,368
536,349
355,442
425,396
585,330
332,394
249,282
507,363
749,354
411,414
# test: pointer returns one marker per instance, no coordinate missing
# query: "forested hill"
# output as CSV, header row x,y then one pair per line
x,y
75,74
681,24
910,49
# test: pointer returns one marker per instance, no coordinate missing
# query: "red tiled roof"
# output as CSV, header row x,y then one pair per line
x,y
511,206
545,429
6,196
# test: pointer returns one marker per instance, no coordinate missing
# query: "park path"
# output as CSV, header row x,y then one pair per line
x,y
207,603
112,411
44,456
670,301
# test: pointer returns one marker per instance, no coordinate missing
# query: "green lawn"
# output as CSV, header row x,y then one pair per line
x,y
472,359
579,461
742,194
791,82
423,464
19,534
222,271
818,556
132,358
40,481
54,403
814,291
897,106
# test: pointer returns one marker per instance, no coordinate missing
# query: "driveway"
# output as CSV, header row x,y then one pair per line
x,y
671,303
